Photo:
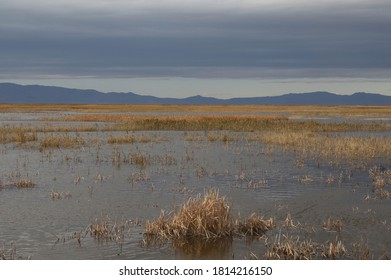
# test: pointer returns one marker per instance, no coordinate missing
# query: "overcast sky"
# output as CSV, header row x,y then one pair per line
x,y
221,48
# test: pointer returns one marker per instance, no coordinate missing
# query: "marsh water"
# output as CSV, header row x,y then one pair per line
x,y
105,181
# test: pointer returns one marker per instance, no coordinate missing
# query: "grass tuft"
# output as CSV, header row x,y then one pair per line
x,y
206,217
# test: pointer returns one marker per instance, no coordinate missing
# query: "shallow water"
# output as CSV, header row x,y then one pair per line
x,y
103,181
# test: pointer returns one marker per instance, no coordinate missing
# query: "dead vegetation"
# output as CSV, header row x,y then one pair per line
x,y
60,142
295,109
8,252
56,195
327,147
206,220
206,217
332,225
254,225
18,183
381,178
290,248
105,230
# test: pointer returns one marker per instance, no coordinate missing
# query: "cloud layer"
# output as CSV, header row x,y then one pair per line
x,y
229,39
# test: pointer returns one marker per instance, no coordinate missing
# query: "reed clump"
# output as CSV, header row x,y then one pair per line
x,y
381,178
255,225
22,183
290,248
334,250
206,217
106,230
332,225
56,195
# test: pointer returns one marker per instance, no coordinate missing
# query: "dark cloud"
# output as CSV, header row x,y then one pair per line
x,y
195,43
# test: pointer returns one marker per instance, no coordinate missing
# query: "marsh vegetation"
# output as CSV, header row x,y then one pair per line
x,y
195,182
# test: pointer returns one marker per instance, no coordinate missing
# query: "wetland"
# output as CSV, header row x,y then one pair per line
x,y
195,182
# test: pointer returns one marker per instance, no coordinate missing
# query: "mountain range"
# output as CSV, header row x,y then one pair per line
x,y
36,94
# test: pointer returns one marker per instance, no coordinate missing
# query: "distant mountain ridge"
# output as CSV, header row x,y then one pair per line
x,y
36,94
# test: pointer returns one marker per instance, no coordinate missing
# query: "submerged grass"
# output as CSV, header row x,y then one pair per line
x,y
60,141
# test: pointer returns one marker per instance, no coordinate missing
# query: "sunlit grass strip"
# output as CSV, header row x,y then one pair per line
x,y
291,109
178,122
336,147
240,122
243,122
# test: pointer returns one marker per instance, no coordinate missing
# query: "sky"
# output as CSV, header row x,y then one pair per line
x,y
220,48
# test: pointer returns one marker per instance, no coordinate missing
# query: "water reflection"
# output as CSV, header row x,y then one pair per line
x,y
203,249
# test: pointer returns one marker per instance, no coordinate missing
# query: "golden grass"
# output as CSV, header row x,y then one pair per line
x,y
329,147
243,122
206,217
128,139
60,141
16,134
291,109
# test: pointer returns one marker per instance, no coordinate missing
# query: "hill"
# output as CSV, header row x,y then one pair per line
x,y
35,94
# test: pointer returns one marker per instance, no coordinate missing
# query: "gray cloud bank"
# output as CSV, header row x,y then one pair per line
x,y
336,40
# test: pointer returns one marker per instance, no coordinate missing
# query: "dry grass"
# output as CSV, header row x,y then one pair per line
x,y
206,217
55,195
381,178
290,248
332,225
9,253
106,230
334,250
21,183
17,134
255,225
140,160
128,139
242,122
292,109
60,142
314,145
